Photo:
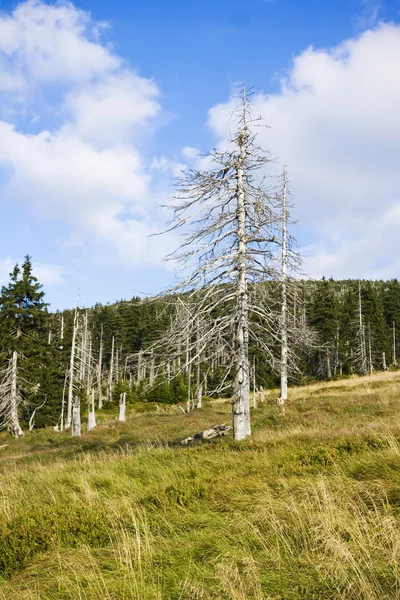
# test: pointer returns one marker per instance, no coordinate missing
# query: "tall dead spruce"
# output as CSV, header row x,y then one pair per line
x,y
231,227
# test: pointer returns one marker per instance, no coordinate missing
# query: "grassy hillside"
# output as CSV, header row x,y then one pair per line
x,y
308,508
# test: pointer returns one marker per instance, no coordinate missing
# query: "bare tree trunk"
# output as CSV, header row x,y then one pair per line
x,y
122,407
140,366
62,329
63,405
111,374
83,365
384,361
169,370
152,370
363,354
254,383
71,372
14,427
117,356
189,398
371,366
394,345
284,338
76,417
328,364
89,369
32,417
241,382
199,385
91,423
99,386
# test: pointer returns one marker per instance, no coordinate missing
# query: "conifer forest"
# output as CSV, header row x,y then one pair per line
x,y
114,350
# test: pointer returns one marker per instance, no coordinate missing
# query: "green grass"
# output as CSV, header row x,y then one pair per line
x,y
308,508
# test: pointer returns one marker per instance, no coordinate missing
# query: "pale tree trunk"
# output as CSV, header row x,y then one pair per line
x,y
328,364
169,370
89,370
189,400
254,383
76,417
99,383
82,371
336,352
152,370
199,396
31,424
199,385
71,374
140,366
117,361
394,345
284,338
91,423
14,427
371,366
363,354
241,382
384,361
122,407
111,374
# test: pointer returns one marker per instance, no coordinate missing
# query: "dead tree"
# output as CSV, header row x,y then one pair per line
x,y
31,423
91,422
122,407
284,333
99,368
232,225
394,346
10,398
72,367
360,354
111,373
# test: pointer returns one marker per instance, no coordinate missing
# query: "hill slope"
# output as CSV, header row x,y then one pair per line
x,y
307,508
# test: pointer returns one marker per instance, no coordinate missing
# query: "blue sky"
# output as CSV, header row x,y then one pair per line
x,y
101,104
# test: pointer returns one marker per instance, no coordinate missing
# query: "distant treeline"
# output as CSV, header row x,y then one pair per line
x,y
355,325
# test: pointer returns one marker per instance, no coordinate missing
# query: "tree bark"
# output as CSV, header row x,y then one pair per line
x,y
241,382
122,407
99,386
14,427
76,417
71,372
284,337
91,424
111,374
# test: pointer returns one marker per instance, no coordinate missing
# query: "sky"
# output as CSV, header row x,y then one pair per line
x,y
103,103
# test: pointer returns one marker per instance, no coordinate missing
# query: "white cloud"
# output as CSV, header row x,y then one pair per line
x,y
190,153
59,43
87,170
6,266
47,274
336,123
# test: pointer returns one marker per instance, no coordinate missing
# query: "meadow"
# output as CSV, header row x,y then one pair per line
x,y
308,508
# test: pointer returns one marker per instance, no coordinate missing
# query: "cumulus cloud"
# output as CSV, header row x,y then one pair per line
x,y
86,168
336,123
47,274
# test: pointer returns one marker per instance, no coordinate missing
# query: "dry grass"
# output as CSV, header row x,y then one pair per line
x,y
307,509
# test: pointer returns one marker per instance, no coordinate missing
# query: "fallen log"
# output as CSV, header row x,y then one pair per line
x,y
209,434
